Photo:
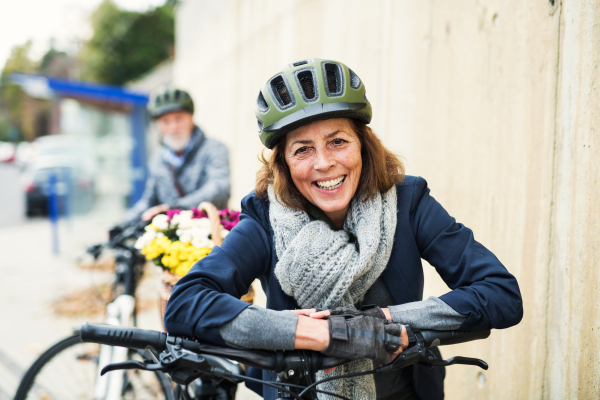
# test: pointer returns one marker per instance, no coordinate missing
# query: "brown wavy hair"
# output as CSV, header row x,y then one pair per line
x,y
381,169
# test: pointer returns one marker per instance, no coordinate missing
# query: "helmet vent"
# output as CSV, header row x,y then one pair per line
x,y
260,125
177,95
261,103
307,84
282,92
299,63
333,79
354,80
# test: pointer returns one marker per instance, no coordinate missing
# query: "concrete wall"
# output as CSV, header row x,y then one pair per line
x,y
494,102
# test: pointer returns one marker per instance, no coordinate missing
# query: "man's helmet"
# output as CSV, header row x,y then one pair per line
x,y
168,100
307,91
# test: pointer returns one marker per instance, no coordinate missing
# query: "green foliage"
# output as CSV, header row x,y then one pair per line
x,y
126,44
55,63
12,97
4,127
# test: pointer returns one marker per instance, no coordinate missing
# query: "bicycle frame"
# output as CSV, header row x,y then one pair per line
x,y
120,313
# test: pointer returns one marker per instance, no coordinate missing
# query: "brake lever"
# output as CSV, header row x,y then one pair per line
x,y
461,360
418,354
150,366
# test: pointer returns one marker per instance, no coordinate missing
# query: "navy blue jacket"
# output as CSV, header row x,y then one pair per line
x,y
482,288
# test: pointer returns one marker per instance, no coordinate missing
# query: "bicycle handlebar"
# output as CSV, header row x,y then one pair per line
x,y
186,360
141,339
133,338
268,360
445,338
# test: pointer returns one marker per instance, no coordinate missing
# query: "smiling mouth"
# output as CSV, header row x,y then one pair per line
x,y
331,184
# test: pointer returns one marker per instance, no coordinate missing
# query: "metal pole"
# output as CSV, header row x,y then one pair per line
x,y
138,153
53,211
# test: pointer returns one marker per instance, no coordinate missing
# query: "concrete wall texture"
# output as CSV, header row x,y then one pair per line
x,y
495,103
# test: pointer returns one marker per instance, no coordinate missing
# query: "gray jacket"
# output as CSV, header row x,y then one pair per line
x,y
203,176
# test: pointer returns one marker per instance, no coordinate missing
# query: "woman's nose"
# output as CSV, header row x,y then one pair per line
x,y
323,160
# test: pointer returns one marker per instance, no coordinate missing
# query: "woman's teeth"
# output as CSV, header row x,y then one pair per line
x,y
332,184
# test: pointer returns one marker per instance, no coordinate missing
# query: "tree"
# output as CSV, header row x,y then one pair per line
x,y
56,63
13,101
126,44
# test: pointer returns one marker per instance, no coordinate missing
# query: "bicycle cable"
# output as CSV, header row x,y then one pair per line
x,y
333,378
282,386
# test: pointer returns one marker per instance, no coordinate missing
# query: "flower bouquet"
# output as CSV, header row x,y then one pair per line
x,y
176,240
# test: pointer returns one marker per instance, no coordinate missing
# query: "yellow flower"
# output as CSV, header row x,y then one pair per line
x,y
156,248
177,256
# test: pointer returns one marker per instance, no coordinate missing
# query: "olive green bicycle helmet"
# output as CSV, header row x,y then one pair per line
x,y
169,100
308,91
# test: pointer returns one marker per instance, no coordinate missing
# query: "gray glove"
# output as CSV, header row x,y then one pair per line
x,y
363,336
373,311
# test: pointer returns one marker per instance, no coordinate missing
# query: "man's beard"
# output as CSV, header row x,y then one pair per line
x,y
176,144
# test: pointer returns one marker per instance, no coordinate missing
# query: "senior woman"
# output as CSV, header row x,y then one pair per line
x,y
333,222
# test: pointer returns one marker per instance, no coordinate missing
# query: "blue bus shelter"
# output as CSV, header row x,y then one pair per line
x,y
41,86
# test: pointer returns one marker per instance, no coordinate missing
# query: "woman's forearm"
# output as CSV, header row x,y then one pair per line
x,y
261,328
432,313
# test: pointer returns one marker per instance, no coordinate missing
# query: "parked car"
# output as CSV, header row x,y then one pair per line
x,y
7,152
74,185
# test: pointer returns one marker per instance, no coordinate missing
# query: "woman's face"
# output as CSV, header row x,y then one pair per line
x,y
325,163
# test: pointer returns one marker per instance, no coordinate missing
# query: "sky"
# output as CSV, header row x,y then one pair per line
x,y
65,22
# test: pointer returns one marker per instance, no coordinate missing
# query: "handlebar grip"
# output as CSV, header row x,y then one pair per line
x,y
444,338
125,337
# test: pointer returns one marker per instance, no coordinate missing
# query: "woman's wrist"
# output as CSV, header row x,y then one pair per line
x,y
311,334
388,314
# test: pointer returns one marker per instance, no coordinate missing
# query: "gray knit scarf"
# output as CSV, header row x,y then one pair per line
x,y
321,267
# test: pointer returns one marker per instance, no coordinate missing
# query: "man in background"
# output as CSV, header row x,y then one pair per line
x,y
189,168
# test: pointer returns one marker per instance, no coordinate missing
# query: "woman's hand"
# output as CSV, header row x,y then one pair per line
x,y
154,211
311,334
306,312
403,340
325,313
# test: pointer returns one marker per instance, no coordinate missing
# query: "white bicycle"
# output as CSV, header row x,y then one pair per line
x,y
70,369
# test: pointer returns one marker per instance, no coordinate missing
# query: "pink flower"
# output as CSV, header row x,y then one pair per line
x,y
171,213
229,218
228,225
198,213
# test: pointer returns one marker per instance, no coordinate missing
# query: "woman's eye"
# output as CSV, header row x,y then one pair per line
x,y
338,141
301,150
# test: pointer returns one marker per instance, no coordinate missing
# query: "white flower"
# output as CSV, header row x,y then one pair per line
x,y
140,243
161,222
150,228
183,219
199,233
185,238
224,233
145,239
203,243
202,223
186,214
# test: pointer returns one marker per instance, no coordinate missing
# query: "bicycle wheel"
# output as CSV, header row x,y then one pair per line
x,y
69,369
